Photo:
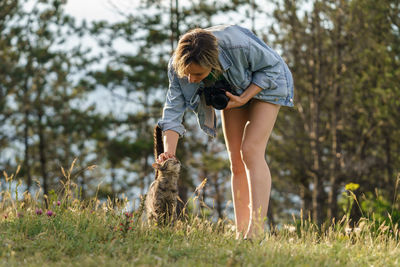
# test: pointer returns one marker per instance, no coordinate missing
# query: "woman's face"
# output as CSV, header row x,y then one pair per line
x,y
196,73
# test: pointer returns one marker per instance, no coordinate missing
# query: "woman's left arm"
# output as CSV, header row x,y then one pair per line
x,y
265,67
237,101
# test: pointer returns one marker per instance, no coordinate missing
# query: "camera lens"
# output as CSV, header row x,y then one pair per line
x,y
220,101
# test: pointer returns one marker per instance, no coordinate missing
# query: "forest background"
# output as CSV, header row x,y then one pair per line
x,y
94,91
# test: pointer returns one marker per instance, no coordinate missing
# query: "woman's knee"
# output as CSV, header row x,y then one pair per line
x,y
252,152
237,165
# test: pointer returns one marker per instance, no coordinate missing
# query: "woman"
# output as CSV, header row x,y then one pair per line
x,y
262,83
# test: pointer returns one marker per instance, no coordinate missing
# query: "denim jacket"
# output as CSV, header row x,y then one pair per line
x,y
245,59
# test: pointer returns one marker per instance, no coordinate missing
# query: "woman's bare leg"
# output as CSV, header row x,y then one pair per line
x,y
262,117
233,123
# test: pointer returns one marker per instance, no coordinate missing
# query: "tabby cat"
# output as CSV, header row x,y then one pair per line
x,y
161,199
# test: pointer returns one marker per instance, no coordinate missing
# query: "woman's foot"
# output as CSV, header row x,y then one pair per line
x,y
250,232
239,236
255,230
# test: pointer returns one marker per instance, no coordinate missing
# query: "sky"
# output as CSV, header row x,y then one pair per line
x,y
105,10
95,10
91,10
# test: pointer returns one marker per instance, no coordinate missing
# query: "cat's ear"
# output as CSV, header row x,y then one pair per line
x,y
156,165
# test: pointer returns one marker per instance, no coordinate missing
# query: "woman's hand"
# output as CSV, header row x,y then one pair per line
x,y
164,156
235,101
238,101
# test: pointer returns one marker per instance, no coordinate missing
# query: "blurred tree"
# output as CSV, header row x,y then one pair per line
x,y
44,92
8,14
343,101
376,93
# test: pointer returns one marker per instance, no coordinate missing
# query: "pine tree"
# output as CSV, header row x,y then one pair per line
x,y
43,90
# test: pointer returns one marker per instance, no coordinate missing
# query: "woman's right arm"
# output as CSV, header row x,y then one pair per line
x,y
170,141
174,108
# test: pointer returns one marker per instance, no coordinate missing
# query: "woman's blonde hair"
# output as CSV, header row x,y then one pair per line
x,y
199,46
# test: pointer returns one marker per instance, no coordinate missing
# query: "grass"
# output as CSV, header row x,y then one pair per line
x,y
90,233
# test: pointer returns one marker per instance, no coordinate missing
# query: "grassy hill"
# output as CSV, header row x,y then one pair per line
x,y
71,232
103,238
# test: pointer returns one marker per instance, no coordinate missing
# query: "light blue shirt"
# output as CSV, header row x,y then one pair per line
x,y
245,59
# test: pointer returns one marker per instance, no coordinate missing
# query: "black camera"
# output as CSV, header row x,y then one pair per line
x,y
215,95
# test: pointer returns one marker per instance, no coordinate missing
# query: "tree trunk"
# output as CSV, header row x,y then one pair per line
x,y
315,99
42,153
27,166
306,197
113,180
174,23
182,193
389,169
27,107
336,118
218,196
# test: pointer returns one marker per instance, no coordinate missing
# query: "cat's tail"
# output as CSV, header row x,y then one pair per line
x,y
158,142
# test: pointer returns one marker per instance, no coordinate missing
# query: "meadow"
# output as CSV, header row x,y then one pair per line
x,y
64,230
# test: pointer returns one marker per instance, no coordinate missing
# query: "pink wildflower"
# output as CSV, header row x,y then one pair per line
x,y
39,212
50,213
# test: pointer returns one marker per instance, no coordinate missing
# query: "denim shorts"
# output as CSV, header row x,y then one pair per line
x,y
285,81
